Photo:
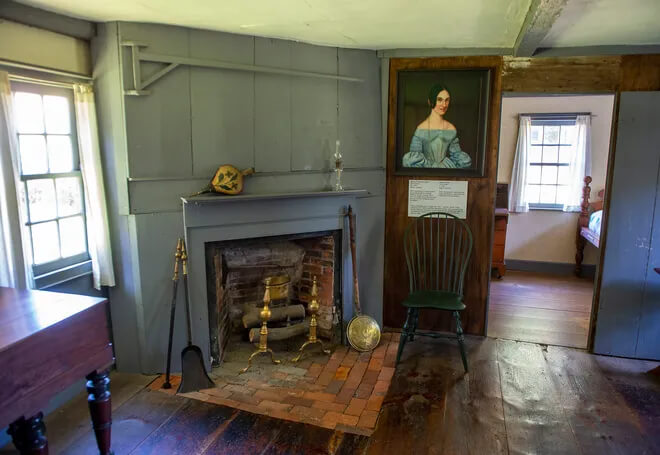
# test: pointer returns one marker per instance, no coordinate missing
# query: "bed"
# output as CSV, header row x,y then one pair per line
x,y
589,222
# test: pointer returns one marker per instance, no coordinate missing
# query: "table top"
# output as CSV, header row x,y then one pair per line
x,y
26,312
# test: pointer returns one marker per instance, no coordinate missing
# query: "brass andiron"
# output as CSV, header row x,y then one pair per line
x,y
275,285
313,310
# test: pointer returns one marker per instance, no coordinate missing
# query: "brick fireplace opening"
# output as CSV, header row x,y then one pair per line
x,y
235,272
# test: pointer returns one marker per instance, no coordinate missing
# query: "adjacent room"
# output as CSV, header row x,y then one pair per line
x,y
552,167
305,227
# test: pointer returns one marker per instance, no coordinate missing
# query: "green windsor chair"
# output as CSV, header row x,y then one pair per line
x,y
437,246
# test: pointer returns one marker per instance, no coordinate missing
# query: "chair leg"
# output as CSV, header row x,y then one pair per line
x,y
461,339
415,320
405,334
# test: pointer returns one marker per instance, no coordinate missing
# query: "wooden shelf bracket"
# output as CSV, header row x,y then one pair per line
x,y
172,62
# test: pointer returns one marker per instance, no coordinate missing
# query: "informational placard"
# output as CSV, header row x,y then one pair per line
x,y
426,196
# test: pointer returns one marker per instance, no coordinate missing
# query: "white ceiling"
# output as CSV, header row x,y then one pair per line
x,y
386,24
603,22
371,24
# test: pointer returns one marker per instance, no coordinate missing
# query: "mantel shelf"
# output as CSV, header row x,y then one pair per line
x,y
216,199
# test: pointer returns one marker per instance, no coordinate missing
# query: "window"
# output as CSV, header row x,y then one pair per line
x,y
51,191
552,145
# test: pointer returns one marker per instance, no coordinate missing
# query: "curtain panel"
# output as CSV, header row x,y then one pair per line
x,y
518,187
13,270
98,231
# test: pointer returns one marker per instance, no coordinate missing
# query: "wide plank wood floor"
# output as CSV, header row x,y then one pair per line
x,y
540,308
518,398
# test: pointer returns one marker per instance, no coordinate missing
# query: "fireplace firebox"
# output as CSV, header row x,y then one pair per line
x,y
236,270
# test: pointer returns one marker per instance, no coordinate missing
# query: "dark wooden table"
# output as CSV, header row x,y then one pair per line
x,y
48,341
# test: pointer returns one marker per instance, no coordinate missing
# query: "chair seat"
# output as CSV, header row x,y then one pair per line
x,y
439,300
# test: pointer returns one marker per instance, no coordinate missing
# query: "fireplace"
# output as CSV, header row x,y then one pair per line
x,y
214,224
236,270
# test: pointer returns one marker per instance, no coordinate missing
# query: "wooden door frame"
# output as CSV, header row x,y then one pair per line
x,y
606,200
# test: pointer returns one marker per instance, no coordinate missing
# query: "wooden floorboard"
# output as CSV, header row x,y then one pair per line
x,y
547,309
518,397
133,422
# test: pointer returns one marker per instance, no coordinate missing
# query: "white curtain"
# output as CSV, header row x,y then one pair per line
x,y
517,187
13,271
98,231
580,165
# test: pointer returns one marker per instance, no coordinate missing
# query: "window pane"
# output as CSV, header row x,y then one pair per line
x,y
29,113
69,201
568,134
548,193
56,109
535,153
536,134
33,154
45,242
534,174
550,134
72,236
563,175
550,154
549,175
41,194
532,193
60,156
562,194
566,153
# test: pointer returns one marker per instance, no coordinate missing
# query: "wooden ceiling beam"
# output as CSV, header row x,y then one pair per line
x,y
538,21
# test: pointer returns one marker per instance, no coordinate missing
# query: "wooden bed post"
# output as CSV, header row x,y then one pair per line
x,y
583,221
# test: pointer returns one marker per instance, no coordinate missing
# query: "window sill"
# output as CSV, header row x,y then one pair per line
x,y
69,273
550,207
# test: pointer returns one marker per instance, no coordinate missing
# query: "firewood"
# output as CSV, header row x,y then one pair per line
x,y
252,318
281,333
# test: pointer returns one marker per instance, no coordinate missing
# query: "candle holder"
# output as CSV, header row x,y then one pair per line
x,y
339,168
312,339
278,286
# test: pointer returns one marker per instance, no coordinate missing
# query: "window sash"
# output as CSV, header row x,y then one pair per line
x,y
62,262
560,120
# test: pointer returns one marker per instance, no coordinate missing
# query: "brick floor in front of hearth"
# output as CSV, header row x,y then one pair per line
x,y
344,390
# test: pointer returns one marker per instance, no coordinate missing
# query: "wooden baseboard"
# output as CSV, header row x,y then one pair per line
x,y
553,268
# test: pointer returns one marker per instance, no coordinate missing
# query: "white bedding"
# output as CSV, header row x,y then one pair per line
x,y
594,221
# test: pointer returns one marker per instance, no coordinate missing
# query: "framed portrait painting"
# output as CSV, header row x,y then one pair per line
x,y
441,122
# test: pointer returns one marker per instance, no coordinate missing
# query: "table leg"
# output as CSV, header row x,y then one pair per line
x,y
100,409
29,435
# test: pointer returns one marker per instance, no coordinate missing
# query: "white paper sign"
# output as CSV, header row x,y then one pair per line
x,y
426,196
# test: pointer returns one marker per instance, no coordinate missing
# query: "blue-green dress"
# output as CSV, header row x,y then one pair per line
x,y
436,148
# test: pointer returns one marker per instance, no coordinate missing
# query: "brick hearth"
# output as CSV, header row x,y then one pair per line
x,y
342,391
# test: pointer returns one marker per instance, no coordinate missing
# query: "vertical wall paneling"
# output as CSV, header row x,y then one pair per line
x,y
648,340
272,107
358,129
313,108
480,208
632,202
156,237
169,153
112,138
222,103
158,125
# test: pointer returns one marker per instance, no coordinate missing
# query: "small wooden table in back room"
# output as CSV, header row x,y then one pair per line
x,y
48,341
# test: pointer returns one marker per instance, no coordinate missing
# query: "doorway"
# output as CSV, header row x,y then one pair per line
x,y
535,293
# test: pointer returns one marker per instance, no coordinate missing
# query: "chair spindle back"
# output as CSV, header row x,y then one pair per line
x,y
437,246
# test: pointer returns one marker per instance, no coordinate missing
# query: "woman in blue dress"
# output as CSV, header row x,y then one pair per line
x,y
435,142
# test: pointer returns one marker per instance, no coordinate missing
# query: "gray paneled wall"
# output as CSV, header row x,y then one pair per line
x,y
628,322
169,143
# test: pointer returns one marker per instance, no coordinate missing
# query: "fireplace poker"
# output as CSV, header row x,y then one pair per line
x,y
193,371
175,285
